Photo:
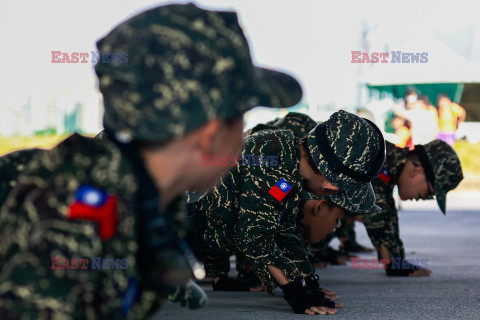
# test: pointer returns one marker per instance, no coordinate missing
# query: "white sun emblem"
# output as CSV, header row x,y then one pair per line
x,y
92,198
283,186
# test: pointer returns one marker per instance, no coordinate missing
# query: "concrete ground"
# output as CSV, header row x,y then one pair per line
x,y
450,243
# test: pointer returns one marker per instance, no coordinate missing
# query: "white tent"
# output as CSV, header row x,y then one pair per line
x,y
444,65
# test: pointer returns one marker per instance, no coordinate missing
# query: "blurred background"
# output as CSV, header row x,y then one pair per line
x,y
41,102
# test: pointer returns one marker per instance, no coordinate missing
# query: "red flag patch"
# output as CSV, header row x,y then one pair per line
x,y
280,190
98,206
384,176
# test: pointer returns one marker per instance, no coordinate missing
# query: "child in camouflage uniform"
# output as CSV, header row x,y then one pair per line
x,y
246,213
427,171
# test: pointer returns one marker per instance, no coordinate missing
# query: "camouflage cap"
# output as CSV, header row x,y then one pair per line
x,y
299,123
341,200
442,168
349,151
186,66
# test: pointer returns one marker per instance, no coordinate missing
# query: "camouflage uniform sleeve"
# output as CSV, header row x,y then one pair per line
x,y
11,166
34,229
258,223
382,226
30,288
293,246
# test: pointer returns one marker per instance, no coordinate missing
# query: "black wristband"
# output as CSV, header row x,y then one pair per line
x,y
311,281
314,287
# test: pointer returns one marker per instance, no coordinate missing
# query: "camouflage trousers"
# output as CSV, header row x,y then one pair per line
x,y
383,229
218,264
382,226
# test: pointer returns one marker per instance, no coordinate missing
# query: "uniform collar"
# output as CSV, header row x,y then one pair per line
x,y
148,196
395,160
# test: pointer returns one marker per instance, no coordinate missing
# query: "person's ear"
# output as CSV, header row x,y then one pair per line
x,y
319,207
208,135
328,185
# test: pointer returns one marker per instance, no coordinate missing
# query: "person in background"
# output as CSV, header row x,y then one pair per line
x,y
402,131
450,115
424,103
411,97
423,121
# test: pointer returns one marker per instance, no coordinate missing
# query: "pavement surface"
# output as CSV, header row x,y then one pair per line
x,y
450,243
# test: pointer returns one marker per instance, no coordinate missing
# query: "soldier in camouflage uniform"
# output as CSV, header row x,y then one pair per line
x,y
188,81
300,124
382,226
427,171
244,213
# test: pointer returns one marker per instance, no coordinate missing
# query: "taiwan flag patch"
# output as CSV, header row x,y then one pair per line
x,y
384,176
98,206
280,190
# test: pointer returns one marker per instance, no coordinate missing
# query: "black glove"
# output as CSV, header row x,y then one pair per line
x,y
300,299
313,286
401,268
226,283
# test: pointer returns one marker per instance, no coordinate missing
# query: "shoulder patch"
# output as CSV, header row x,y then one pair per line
x,y
384,175
280,190
98,206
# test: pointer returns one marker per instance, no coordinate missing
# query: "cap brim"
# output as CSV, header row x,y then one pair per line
x,y
362,198
441,197
274,89
342,200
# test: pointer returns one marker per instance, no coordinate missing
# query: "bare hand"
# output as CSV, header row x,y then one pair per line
x,y
330,294
323,310
258,288
420,272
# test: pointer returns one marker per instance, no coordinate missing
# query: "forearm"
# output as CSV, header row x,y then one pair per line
x,y
278,275
262,255
384,254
